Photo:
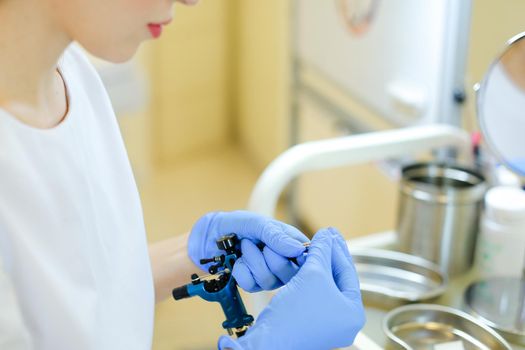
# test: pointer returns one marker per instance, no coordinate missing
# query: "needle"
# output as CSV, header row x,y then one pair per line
x,y
306,245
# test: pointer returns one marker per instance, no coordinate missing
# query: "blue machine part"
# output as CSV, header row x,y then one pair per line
x,y
221,287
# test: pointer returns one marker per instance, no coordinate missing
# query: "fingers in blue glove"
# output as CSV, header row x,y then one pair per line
x,y
254,260
328,250
283,239
280,266
320,251
252,272
227,343
343,269
197,245
328,254
244,277
327,284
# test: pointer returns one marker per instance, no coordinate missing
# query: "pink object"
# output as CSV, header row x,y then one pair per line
x,y
155,30
476,139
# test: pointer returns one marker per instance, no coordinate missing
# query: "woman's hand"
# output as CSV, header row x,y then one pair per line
x,y
320,308
256,270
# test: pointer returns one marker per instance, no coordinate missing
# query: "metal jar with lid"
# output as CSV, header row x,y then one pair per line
x,y
439,212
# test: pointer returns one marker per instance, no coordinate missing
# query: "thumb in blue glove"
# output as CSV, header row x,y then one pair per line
x,y
255,270
320,308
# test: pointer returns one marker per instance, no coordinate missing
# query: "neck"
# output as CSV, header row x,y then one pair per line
x,y
30,47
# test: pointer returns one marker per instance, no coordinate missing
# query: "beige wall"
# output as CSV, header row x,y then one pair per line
x,y
191,75
220,74
357,199
493,22
137,131
263,78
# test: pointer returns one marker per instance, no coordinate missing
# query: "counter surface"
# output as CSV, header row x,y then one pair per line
x,y
374,317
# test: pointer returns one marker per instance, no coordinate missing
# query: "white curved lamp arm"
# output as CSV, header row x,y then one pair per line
x,y
363,148
332,153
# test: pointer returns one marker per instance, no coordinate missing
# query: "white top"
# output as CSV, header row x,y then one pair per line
x,y
75,271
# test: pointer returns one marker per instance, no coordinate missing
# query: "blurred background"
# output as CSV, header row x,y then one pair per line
x,y
204,109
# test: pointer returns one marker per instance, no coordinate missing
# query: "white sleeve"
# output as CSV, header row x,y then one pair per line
x,y
13,332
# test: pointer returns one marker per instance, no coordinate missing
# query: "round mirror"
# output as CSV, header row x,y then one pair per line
x,y
501,106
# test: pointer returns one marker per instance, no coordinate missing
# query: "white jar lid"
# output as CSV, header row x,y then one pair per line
x,y
505,177
505,204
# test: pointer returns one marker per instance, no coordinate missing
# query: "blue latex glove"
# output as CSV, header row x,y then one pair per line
x,y
320,308
255,270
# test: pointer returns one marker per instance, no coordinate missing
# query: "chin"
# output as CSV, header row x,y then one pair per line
x,y
120,54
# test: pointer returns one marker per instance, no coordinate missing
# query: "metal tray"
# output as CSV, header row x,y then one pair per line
x,y
389,279
499,303
430,327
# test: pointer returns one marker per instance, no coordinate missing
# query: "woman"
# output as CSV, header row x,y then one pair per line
x,y
76,272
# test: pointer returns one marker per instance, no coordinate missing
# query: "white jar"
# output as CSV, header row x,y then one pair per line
x,y
501,243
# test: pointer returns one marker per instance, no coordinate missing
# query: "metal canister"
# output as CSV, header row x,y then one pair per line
x,y
439,212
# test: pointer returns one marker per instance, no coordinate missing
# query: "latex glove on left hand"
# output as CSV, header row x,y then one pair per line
x,y
255,270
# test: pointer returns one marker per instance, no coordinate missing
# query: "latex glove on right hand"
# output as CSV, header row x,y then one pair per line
x,y
320,308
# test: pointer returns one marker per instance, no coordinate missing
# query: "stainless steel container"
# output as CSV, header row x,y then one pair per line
x,y
499,302
389,279
439,213
425,327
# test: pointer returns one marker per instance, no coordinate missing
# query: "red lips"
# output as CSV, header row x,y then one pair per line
x,y
155,30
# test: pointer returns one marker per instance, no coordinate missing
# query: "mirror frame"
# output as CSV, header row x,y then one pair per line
x,y
480,89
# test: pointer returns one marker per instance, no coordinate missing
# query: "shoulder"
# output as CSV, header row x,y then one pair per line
x,y
83,80
74,55
75,61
